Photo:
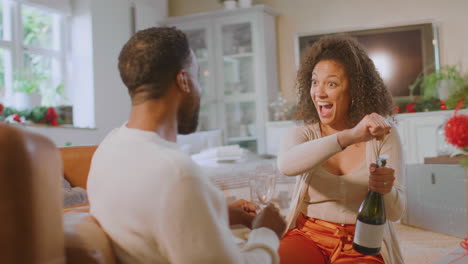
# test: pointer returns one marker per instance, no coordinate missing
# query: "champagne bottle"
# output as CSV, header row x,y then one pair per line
x,y
370,222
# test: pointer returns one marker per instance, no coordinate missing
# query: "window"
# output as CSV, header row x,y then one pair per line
x,y
32,56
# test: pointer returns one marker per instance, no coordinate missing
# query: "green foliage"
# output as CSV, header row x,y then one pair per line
x,y
35,115
60,89
26,82
426,105
455,97
9,111
36,27
430,83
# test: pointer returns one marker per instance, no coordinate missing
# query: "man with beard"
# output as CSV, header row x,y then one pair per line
x,y
151,198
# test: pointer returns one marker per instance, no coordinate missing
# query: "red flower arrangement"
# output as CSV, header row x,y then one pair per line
x,y
51,117
410,108
456,129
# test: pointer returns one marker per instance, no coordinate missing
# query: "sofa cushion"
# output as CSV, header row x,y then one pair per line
x,y
85,241
76,164
73,195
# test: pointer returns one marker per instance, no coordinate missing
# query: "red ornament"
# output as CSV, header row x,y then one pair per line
x,y
396,110
456,131
1,108
442,105
17,118
410,108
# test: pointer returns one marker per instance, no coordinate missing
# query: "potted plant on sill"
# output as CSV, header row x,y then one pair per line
x,y
26,86
439,90
438,84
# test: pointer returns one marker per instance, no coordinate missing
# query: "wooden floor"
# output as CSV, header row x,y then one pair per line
x,y
423,247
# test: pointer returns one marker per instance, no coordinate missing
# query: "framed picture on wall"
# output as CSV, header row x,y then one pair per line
x,y
399,53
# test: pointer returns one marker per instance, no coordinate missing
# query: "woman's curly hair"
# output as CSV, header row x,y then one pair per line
x,y
367,90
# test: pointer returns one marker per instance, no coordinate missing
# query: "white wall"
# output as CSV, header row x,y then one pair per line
x,y
106,28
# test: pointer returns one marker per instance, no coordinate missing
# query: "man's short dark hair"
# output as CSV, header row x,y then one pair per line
x,y
150,61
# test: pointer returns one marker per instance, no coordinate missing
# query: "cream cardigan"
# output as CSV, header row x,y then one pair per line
x,y
302,152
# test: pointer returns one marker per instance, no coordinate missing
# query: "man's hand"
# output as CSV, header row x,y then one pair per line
x,y
242,212
270,218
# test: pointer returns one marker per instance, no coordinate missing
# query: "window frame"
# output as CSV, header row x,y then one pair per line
x,y
13,42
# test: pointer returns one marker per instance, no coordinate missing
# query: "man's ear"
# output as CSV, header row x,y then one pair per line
x,y
182,81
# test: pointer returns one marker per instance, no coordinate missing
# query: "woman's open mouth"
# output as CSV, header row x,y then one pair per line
x,y
325,109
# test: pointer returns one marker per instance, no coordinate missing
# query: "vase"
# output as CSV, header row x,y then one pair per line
x,y
22,101
230,4
442,146
446,87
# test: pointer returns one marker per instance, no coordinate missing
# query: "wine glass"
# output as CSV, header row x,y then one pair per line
x,y
263,183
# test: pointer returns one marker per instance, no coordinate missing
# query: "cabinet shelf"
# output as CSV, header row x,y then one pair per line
x,y
240,97
238,55
240,139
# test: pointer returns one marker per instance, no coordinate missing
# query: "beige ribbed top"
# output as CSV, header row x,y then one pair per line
x,y
302,152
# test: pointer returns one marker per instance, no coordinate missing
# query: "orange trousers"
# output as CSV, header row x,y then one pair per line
x,y
315,241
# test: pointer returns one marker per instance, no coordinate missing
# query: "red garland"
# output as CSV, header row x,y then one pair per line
x,y
456,129
410,108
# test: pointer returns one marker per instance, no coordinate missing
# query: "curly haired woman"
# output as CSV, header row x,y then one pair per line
x,y
344,107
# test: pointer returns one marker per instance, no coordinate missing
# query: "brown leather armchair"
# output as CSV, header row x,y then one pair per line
x,y
34,227
30,199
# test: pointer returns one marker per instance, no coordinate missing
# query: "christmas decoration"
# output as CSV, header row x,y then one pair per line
x,y
422,105
38,115
456,132
410,108
1,112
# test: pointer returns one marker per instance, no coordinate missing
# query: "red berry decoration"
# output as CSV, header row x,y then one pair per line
x,y
51,117
442,105
456,129
410,108
17,118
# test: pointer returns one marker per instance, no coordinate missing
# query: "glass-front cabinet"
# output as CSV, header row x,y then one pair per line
x,y
236,51
198,37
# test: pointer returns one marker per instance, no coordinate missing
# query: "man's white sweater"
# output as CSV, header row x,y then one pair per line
x,y
157,207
